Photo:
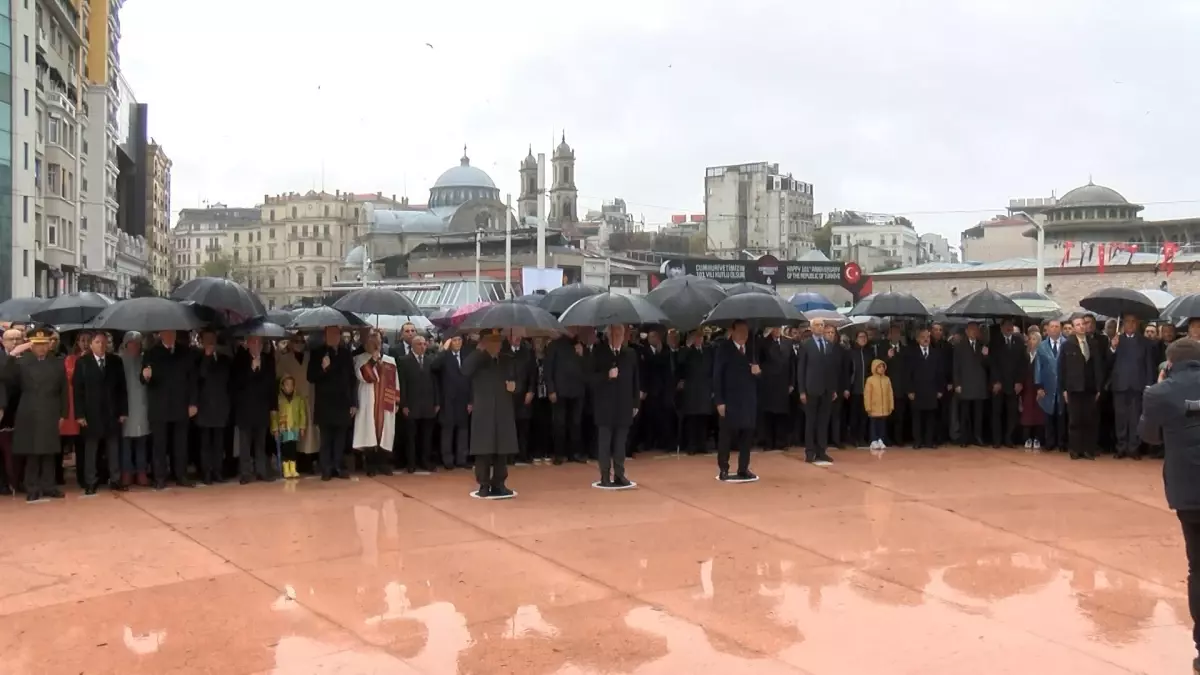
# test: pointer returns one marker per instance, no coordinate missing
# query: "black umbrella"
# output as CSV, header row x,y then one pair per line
x,y
146,315
890,304
558,300
377,301
223,295
283,317
259,328
1117,302
534,299
758,309
1183,308
748,287
986,304
687,300
17,310
608,308
690,280
320,318
74,308
534,321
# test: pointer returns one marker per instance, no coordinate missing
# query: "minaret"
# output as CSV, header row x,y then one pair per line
x,y
564,197
527,206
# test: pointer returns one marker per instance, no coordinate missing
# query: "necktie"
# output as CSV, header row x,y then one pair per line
x,y
458,359
1054,348
101,362
1083,346
820,345
925,352
420,360
742,349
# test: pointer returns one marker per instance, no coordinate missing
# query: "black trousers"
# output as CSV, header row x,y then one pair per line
x,y
454,445
567,414
1190,521
1127,410
1081,410
111,444
175,435
523,440
970,421
925,426
333,450
39,474
418,446
1056,427
1005,418
944,417
856,421
252,453
694,434
212,453
837,422
491,470
897,422
731,440
610,451
541,429
817,412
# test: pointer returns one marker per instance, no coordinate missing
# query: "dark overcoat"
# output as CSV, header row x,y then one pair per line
x,y
101,398
43,387
493,422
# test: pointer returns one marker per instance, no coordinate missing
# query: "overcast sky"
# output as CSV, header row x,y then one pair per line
x,y
938,110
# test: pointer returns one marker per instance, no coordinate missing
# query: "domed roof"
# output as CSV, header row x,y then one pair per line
x,y
355,257
563,150
1092,195
530,162
464,175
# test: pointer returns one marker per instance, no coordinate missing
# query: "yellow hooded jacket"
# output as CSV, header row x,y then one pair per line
x,y
877,394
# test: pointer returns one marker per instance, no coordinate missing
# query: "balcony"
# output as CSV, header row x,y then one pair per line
x,y
212,248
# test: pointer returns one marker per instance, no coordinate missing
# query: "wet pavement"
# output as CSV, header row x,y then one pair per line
x,y
929,563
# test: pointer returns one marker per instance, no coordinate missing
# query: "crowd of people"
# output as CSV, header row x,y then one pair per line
x,y
151,408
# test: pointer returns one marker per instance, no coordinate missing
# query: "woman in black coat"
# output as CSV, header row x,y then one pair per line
x,y
695,403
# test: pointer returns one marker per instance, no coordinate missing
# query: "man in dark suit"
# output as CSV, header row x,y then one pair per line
x,y
735,393
1080,372
818,383
169,373
1007,363
419,398
927,384
615,376
335,401
564,374
101,405
970,385
1132,366
776,357
522,396
894,352
456,403
1169,417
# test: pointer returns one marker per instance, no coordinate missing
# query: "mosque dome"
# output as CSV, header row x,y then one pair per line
x,y
1092,195
460,184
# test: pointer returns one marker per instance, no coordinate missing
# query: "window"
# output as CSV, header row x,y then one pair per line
x,y
293,212
25,44
25,209
52,178
326,215
326,231
25,262
83,185
271,282
319,275
258,235
272,215
52,230
235,237
319,253
300,279
300,249
271,253
294,230
26,161
83,223
305,231
258,254
271,234
26,102
83,259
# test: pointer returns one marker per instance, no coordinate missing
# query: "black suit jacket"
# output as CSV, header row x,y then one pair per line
x,y
1133,366
1008,361
1166,420
927,376
817,373
172,385
1077,375
615,400
419,389
100,395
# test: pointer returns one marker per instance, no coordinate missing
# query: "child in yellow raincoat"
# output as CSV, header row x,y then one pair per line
x,y
877,399
288,423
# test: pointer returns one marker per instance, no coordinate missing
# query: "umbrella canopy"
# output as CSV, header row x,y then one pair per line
x,y
18,309
226,296
1117,302
283,317
606,309
890,304
146,315
507,315
454,317
689,280
759,309
1036,305
1160,298
859,323
534,299
986,304
377,301
686,301
748,287
558,300
829,316
1183,308
74,308
259,328
807,302
320,318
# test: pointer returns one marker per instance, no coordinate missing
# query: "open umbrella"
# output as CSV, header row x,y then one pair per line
x,y
688,280
1036,305
534,299
73,308
890,304
758,309
1117,302
748,287
507,315
1159,297
146,315
806,302
18,309
376,301
1183,308
226,296
986,304
606,309
320,318
283,317
829,316
259,328
558,300
686,301
453,317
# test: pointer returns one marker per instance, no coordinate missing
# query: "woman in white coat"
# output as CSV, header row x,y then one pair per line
x,y
378,402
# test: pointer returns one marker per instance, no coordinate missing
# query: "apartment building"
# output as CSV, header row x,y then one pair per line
x,y
202,234
854,233
18,135
158,218
754,209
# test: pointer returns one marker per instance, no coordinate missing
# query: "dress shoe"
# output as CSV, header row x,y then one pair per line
x,y
385,465
160,485
89,491
244,480
746,475
558,461
484,491
579,459
33,497
142,479
824,457
126,478
724,475
621,481
186,483
500,491
118,486
325,477
343,475
606,483
55,494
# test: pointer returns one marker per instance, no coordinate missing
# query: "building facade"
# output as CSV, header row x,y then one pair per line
x,y
1000,238
873,240
19,245
158,218
753,209
935,248
201,235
